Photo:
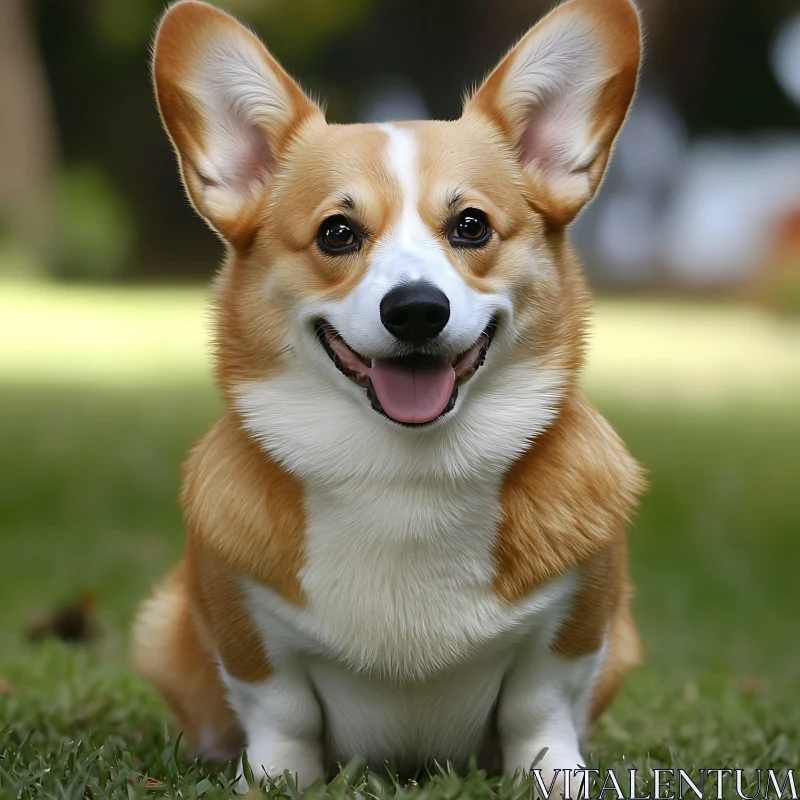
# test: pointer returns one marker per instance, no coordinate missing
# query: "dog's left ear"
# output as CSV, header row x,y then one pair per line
x,y
561,95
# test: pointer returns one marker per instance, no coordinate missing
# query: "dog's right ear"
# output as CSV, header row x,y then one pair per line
x,y
560,97
229,109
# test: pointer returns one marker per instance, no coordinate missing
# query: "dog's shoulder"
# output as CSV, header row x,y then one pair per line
x,y
244,512
567,499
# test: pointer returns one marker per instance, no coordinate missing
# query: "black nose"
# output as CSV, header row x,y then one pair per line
x,y
415,312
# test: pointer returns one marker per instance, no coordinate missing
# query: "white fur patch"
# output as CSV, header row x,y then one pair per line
x,y
400,597
283,723
329,434
392,649
545,704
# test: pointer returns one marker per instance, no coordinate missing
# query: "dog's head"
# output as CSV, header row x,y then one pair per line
x,y
404,287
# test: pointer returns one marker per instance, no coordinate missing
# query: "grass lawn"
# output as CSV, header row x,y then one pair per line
x,y
101,393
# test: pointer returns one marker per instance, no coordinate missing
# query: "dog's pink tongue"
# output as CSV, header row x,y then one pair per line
x,y
412,394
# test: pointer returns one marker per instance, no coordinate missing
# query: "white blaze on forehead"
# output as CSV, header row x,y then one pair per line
x,y
412,251
409,232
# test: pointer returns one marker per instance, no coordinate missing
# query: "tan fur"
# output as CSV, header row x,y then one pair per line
x,y
564,502
244,517
243,511
624,654
260,284
169,650
601,611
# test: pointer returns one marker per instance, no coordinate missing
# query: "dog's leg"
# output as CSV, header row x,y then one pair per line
x,y
623,654
282,721
544,706
170,651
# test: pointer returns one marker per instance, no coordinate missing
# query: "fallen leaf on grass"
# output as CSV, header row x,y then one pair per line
x,y
71,623
151,784
749,684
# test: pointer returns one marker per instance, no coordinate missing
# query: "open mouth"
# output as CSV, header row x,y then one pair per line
x,y
414,389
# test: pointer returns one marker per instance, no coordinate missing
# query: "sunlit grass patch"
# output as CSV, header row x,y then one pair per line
x,y
697,353
80,335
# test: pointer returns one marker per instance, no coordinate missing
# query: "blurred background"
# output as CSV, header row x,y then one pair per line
x,y
693,245
703,195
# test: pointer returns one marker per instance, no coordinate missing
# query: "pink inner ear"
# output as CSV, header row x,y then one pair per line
x,y
545,140
251,157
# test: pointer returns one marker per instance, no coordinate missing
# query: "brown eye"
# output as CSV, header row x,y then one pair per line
x,y
336,235
471,229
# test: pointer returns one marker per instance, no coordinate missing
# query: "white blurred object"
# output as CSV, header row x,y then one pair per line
x,y
727,202
701,215
785,57
620,232
393,99
652,143
626,234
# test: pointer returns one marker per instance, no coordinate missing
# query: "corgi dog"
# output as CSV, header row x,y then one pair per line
x,y
406,534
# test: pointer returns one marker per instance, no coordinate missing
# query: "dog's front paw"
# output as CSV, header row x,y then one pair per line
x,y
553,770
303,760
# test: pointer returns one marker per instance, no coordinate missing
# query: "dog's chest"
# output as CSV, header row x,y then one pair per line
x,y
398,576
401,623
398,580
